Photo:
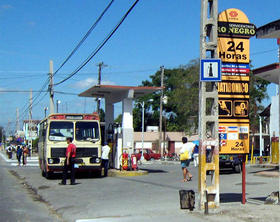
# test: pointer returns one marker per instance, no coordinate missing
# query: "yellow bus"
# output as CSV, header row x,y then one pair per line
x,y
85,131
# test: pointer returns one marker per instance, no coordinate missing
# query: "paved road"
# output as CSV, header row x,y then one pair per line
x,y
17,203
153,197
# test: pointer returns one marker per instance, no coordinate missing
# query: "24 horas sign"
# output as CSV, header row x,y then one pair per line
x,y
234,31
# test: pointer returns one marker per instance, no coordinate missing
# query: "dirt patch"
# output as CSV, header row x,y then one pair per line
x,y
43,187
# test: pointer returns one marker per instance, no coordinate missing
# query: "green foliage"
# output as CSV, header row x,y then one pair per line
x,y
181,88
258,92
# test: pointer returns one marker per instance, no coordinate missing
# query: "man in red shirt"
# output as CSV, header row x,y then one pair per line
x,y
69,162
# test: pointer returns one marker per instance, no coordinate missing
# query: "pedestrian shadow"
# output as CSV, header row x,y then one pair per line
x,y
230,197
154,170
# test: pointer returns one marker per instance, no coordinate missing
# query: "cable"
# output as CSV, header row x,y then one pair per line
x,y
85,36
20,91
100,45
66,93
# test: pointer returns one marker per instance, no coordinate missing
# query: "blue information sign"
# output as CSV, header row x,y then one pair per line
x,y
210,70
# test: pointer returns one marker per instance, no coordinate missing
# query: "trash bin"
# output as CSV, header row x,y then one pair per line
x,y
187,199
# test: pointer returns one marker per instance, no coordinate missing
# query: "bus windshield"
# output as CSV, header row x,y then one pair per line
x,y
87,131
59,131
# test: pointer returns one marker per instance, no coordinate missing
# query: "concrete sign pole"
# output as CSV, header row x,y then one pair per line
x,y
208,93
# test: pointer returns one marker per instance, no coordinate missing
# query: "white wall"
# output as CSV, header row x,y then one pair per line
x,y
274,116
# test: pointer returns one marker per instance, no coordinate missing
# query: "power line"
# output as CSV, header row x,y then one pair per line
x,y
85,36
20,91
100,45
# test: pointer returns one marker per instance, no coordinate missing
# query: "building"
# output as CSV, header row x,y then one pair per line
x,y
30,129
172,141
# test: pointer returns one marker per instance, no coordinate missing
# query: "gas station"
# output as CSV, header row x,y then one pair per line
x,y
271,73
114,94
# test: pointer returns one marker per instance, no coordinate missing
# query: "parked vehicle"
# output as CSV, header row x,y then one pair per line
x,y
230,162
171,156
148,154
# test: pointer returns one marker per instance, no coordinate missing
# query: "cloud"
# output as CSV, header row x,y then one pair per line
x,y
86,83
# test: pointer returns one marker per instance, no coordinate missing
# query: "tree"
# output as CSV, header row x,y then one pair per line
x,y
258,92
181,88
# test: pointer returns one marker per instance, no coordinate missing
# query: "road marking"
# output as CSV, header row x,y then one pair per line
x,y
31,161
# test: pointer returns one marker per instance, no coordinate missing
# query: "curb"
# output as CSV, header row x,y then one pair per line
x,y
267,174
264,165
118,173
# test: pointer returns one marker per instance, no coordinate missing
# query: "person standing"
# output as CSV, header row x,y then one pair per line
x,y
19,154
69,162
196,154
185,157
24,156
105,158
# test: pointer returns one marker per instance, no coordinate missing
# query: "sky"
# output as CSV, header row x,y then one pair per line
x,y
155,33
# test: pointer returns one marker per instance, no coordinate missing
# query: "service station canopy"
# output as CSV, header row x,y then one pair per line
x,y
118,93
269,72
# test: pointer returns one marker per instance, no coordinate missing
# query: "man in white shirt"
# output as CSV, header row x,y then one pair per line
x,y
186,147
105,158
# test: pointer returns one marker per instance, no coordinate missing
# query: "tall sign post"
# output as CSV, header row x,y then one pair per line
x,y
208,95
234,31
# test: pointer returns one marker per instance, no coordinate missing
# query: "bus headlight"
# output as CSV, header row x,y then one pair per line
x,y
94,160
53,160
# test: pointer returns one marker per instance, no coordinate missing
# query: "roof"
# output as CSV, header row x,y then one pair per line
x,y
270,72
170,136
270,30
266,111
118,93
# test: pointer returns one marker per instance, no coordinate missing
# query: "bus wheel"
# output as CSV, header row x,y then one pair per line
x,y
48,175
98,173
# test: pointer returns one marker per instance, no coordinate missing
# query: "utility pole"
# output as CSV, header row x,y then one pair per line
x,y
51,88
17,123
208,94
30,123
100,66
160,110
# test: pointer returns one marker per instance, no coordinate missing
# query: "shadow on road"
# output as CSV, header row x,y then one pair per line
x,y
154,170
258,198
150,183
78,175
230,197
264,169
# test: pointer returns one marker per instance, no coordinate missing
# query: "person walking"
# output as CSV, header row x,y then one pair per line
x,y
24,156
196,154
105,158
19,154
69,162
185,157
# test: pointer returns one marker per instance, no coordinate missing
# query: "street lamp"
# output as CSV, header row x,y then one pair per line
x,y
45,109
57,102
143,120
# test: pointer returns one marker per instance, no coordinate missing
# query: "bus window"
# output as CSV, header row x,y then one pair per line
x,y
87,131
59,131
